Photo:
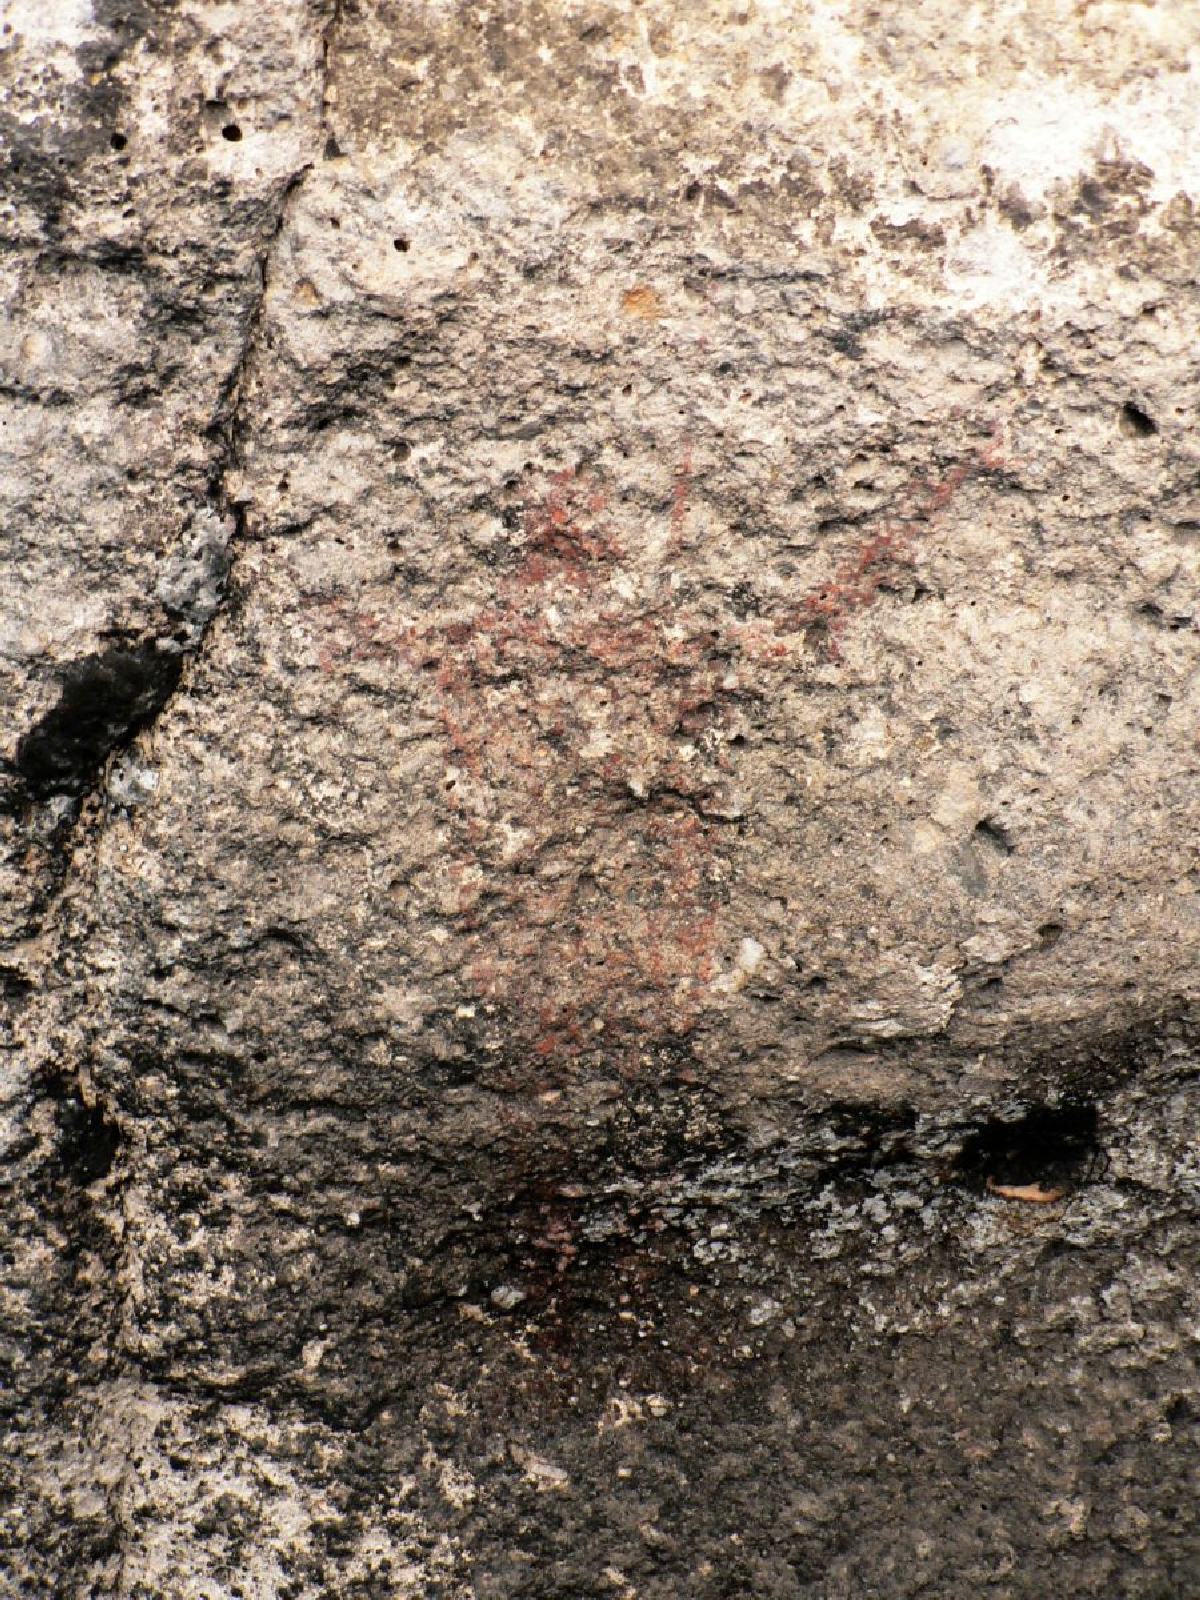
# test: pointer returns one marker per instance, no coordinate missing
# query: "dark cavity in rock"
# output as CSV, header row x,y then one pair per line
x,y
1051,1146
104,701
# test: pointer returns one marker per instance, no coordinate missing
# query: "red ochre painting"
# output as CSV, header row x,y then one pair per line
x,y
590,785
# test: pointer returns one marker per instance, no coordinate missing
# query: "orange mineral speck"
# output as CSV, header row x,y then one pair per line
x,y
642,301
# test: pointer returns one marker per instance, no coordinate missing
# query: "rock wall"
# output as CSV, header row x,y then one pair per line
x,y
599,704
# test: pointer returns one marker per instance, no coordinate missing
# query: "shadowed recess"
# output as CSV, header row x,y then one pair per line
x,y
105,699
88,1141
1052,1146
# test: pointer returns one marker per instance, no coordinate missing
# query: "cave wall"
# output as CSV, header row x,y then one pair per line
x,y
598,799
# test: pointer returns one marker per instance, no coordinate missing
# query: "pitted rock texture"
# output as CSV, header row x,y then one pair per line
x,y
598,787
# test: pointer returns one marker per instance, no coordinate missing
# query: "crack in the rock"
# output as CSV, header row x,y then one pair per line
x,y
110,697
227,425
107,702
228,417
327,37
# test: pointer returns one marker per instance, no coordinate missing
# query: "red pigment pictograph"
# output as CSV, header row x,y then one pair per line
x,y
857,581
590,792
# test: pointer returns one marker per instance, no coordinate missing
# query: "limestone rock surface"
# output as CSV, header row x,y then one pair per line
x,y
599,755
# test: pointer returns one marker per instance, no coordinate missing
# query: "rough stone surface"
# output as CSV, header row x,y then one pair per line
x,y
599,737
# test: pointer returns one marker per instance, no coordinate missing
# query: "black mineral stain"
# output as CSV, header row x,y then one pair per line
x,y
104,701
845,337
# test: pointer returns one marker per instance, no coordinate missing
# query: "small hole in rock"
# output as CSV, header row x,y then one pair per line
x,y
402,245
118,141
88,1141
1135,422
990,832
1054,1147
232,132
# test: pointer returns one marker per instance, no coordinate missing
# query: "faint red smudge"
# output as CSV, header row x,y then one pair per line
x,y
681,489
